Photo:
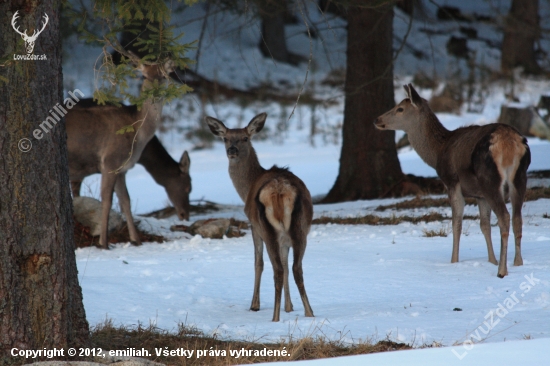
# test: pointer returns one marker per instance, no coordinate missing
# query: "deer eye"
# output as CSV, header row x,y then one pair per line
x,y
224,139
399,109
245,139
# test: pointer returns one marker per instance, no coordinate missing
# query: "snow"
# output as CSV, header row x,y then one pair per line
x,y
363,282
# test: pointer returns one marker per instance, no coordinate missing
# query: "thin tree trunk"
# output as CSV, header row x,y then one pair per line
x,y
40,298
273,40
521,33
369,166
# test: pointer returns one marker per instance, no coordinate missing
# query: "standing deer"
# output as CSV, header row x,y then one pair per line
x,y
278,206
95,147
173,176
486,162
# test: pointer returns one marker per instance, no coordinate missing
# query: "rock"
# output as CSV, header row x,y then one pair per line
x,y
212,228
87,211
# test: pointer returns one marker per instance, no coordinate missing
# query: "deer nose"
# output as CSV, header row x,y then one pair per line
x,y
232,150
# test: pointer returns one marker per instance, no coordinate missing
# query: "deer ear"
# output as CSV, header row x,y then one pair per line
x,y
216,126
256,124
185,162
414,97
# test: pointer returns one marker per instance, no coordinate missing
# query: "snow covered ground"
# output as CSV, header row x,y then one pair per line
x,y
363,282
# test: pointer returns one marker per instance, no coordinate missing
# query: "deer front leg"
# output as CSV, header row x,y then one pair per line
x,y
124,200
485,224
258,269
457,207
75,188
107,187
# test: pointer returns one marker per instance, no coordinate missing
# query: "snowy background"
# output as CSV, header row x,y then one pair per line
x,y
363,282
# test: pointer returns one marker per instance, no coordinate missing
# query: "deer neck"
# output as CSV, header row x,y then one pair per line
x,y
244,172
428,138
150,114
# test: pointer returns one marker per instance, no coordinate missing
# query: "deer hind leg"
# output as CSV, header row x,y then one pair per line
x,y
457,207
299,242
124,200
278,274
499,207
517,197
283,252
485,224
258,269
107,186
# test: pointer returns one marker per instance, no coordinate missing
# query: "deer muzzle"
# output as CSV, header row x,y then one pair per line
x,y
379,124
232,152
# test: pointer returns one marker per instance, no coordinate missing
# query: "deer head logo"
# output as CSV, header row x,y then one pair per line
x,y
29,40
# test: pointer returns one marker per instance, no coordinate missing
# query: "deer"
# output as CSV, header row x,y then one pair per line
x,y
488,163
278,206
29,40
95,147
173,176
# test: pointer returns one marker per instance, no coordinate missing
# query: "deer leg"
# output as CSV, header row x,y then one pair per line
x,y
258,269
283,252
457,207
499,208
124,200
485,224
75,188
278,273
107,187
299,249
517,223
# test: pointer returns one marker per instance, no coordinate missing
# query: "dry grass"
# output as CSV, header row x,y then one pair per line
x,y
431,233
109,337
378,220
532,194
83,238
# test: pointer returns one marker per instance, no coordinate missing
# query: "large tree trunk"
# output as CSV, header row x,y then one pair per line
x,y
521,33
369,166
40,298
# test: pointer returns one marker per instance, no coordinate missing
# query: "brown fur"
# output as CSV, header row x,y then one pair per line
x,y
486,162
95,147
507,148
279,207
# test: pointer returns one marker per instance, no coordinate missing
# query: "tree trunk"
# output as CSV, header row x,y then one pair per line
x,y
521,33
40,298
369,166
273,41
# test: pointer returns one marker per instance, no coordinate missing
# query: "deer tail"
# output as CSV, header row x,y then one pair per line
x,y
507,148
278,197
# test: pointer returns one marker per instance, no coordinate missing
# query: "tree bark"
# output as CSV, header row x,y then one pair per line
x,y
40,298
521,33
369,166
273,41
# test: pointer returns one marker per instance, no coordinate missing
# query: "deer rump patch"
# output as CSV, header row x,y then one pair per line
x,y
278,197
507,148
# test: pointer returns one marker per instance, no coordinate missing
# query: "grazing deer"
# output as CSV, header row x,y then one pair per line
x,y
279,207
95,147
173,176
486,162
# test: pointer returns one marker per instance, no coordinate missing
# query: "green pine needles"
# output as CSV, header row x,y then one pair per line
x,y
147,21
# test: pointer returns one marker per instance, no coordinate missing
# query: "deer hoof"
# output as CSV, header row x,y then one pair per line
x,y
518,262
136,243
254,308
494,261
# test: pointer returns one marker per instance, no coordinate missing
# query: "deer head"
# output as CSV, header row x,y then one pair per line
x,y
237,140
29,40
